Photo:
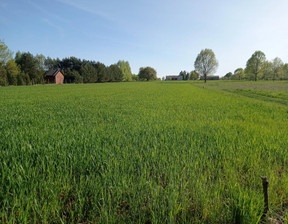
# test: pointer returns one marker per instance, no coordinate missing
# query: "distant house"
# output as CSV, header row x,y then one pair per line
x,y
210,77
174,77
54,76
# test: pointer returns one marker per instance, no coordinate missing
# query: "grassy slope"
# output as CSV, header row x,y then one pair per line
x,y
140,152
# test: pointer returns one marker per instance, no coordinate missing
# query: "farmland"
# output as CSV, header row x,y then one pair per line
x,y
143,152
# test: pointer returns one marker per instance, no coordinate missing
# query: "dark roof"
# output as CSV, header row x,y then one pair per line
x,y
173,76
52,72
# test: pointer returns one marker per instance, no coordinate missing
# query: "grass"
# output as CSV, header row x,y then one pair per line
x,y
155,152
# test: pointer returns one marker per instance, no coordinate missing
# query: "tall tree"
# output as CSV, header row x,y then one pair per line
x,y
13,71
147,74
72,76
114,73
101,72
5,56
89,73
206,63
184,74
254,65
266,71
126,70
239,74
5,53
71,63
194,75
285,71
277,68
52,63
3,76
28,65
228,75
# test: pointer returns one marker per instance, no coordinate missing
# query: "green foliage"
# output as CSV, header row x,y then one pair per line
x,y
267,71
139,153
101,72
126,70
20,79
114,73
51,63
5,53
12,70
147,74
254,66
5,57
185,75
3,76
228,75
206,63
277,68
194,75
135,77
89,73
285,71
30,65
72,76
239,74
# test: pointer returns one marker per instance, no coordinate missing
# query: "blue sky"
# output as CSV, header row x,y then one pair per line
x,y
166,35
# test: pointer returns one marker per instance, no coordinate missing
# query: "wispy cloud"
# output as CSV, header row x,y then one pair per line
x,y
44,11
59,29
52,17
89,9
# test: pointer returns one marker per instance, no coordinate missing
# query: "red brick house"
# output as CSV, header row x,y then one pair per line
x,y
54,76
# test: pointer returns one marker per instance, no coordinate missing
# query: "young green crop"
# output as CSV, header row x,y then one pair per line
x,y
147,152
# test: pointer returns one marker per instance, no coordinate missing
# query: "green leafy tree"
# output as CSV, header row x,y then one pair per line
x,y
285,72
114,73
206,63
228,75
239,74
277,64
5,53
89,73
20,79
194,75
254,65
135,77
184,74
5,56
101,72
147,74
126,70
52,63
71,63
72,76
266,71
28,66
3,76
12,70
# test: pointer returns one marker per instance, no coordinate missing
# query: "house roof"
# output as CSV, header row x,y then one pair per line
x,y
173,76
52,72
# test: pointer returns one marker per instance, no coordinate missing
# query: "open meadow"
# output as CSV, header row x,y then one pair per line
x,y
144,152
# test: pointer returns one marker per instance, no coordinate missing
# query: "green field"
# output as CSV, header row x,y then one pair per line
x,y
143,152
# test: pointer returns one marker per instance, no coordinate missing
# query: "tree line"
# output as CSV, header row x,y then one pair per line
x,y
258,68
205,66
26,69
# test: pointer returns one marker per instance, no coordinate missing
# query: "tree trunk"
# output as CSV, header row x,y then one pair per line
x,y
205,78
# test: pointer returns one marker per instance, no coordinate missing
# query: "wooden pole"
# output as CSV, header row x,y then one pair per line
x,y
265,184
